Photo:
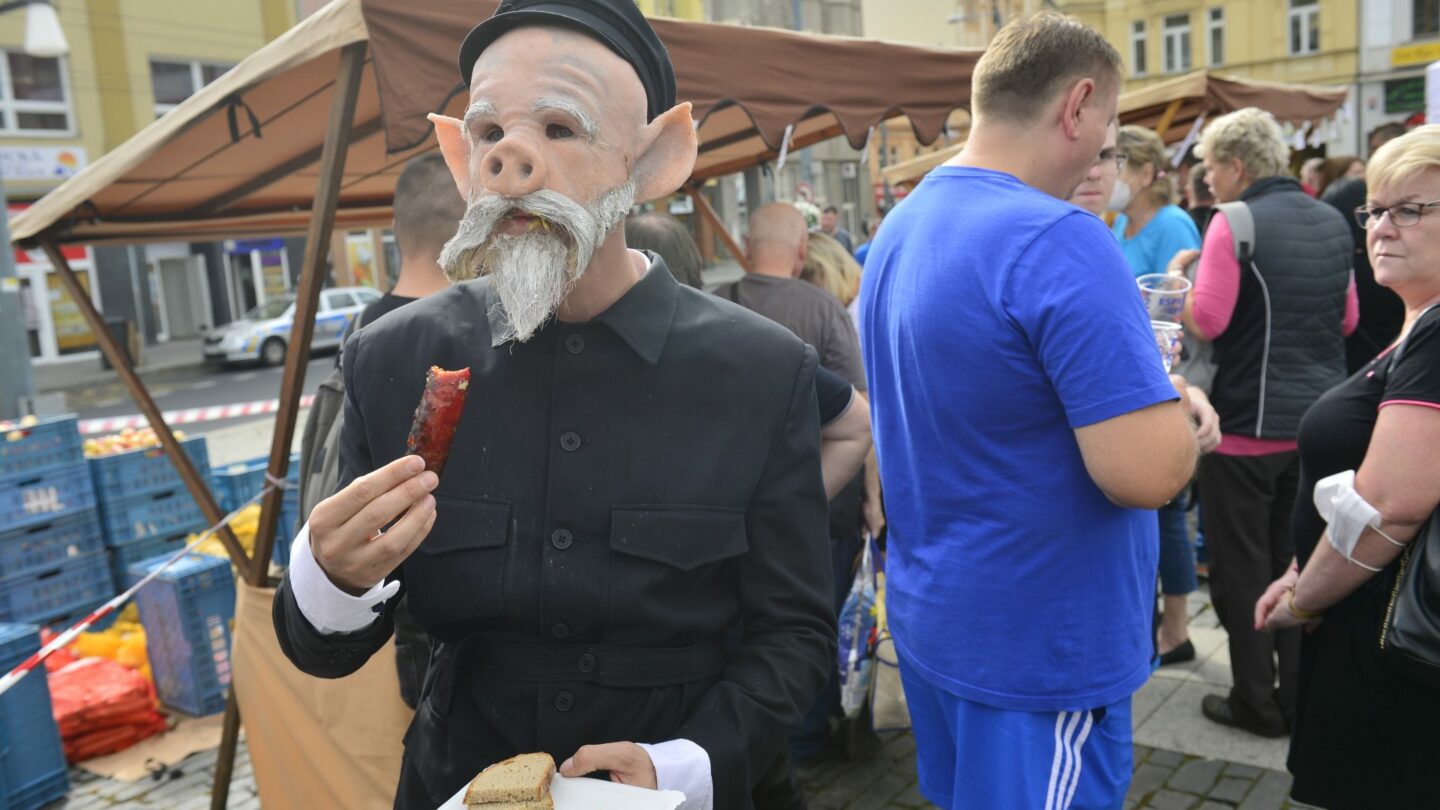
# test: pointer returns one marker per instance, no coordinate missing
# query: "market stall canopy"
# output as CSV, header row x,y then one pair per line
x,y
1175,105
241,157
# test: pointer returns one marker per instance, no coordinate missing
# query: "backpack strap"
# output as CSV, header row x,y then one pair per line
x,y
1242,228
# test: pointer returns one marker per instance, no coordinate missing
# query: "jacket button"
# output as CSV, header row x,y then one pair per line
x,y
561,539
564,702
575,344
570,441
560,630
586,663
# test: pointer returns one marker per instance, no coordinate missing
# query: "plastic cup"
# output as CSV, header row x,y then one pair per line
x,y
1167,340
1164,296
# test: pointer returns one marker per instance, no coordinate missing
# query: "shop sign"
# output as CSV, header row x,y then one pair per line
x,y
1405,95
40,162
1417,54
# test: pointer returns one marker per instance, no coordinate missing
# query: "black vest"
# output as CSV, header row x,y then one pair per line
x,y
1283,347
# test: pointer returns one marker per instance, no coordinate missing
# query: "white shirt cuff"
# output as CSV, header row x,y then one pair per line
x,y
684,766
327,608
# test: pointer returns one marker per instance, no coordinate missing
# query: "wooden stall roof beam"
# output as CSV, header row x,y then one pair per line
x,y
121,361
708,212
338,132
1168,117
312,278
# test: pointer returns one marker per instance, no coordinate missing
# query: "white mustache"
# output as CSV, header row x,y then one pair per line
x,y
533,272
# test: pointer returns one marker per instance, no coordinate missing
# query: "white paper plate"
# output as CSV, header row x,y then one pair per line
x,y
595,794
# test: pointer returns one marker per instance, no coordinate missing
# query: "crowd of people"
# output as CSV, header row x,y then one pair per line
x,y
643,540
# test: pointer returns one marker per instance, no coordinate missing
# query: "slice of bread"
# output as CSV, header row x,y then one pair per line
x,y
545,803
522,778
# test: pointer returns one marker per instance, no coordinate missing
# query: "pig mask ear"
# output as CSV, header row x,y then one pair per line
x,y
450,132
667,154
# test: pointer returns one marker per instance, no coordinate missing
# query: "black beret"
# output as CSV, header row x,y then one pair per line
x,y
617,23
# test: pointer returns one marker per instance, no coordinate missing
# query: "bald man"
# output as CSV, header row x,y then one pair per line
x,y
772,287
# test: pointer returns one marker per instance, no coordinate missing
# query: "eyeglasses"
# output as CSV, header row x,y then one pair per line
x,y
1401,216
1108,156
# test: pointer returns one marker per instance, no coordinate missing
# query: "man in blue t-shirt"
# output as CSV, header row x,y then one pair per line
x,y
1024,424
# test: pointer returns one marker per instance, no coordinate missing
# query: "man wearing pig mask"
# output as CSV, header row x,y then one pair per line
x,y
625,564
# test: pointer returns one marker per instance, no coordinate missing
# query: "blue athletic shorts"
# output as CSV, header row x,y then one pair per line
x,y
975,757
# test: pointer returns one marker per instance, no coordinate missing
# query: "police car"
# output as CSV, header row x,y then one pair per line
x,y
264,333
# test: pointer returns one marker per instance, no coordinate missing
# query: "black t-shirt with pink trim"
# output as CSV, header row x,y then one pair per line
x,y
1335,432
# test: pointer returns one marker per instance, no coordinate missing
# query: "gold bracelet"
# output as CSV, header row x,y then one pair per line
x,y
1301,614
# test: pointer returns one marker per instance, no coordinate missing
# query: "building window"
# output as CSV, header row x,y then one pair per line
x,y
1427,18
33,95
1137,48
1304,26
1177,43
173,82
1215,37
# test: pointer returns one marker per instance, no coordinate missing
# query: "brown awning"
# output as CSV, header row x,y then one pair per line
x,y
206,171
1205,93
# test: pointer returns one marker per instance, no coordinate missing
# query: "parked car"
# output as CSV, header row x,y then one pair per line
x,y
264,333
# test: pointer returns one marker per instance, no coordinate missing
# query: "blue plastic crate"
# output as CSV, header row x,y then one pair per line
x,y
30,500
49,445
32,763
136,472
127,554
237,483
187,612
66,589
44,545
156,514
38,793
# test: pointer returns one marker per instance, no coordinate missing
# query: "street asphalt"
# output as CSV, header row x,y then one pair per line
x,y
180,387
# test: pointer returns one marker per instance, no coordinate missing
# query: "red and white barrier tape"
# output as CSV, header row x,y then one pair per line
x,y
111,424
64,639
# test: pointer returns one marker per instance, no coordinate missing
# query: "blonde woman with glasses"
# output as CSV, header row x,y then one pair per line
x,y
1365,732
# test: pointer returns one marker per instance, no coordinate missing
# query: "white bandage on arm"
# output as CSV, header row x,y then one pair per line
x,y
1348,514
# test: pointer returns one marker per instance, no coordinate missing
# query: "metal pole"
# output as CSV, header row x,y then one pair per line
x,y
17,378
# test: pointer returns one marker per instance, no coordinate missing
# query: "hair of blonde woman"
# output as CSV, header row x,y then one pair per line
x,y
1032,59
1253,136
1142,147
1400,160
829,267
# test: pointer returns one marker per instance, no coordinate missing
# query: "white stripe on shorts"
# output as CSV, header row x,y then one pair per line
x,y
1079,744
1065,723
1065,767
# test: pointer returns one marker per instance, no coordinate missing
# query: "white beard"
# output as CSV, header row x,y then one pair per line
x,y
532,273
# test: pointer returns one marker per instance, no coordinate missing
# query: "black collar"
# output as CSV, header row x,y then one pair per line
x,y
642,317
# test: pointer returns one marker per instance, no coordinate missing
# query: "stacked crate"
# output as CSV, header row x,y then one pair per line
x,y
32,762
52,553
238,483
187,612
144,506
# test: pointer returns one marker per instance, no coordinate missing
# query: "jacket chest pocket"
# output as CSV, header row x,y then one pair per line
x,y
457,574
668,559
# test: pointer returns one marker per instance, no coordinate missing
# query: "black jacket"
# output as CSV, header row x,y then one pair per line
x,y
630,541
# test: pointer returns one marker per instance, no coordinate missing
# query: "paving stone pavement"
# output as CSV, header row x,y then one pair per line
x,y
881,774
880,777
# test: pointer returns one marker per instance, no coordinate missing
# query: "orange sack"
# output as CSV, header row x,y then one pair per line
x,y
102,707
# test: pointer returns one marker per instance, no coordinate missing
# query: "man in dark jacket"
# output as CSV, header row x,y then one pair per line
x,y
635,475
